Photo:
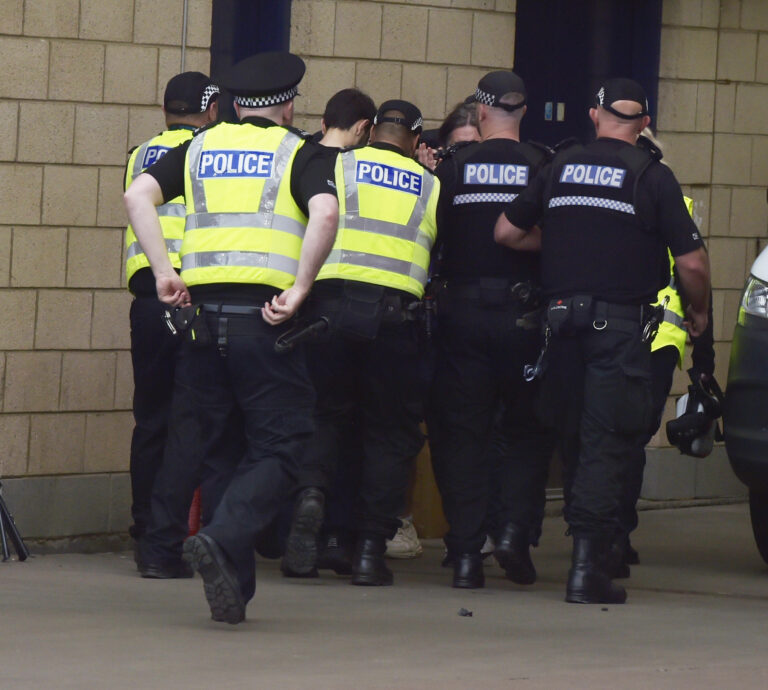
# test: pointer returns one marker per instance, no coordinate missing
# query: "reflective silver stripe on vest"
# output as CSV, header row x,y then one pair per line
x,y
137,169
674,319
383,263
383,227
352,219
194,152
238,258
172,210
247,220
272,184
483,198
596,202
171,246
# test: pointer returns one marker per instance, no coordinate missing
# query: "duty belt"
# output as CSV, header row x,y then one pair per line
x,y
231,309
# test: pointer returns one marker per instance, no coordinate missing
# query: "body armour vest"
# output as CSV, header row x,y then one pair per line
x,y
671,329
594,241
387,220
171,213
480,180
243,225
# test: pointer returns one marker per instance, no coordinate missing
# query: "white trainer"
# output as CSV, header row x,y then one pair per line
x,y
405,543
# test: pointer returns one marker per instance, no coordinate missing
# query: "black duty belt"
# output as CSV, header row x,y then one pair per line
x,y
495,291
627,312
231,309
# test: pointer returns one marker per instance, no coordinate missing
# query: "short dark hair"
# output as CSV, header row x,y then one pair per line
x,y
347,107
463,114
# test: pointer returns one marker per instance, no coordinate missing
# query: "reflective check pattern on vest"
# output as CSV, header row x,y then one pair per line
x,y
171,213
387,220
243,225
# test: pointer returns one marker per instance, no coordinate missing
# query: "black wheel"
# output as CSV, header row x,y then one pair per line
x,y
758,512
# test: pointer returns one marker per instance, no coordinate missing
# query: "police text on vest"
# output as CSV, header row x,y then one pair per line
x,y
496,173
598,175
235,164
387,176
152,155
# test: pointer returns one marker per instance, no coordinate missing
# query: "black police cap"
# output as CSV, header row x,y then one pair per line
x,y
622,89
494,86
265,79
189,93
411,118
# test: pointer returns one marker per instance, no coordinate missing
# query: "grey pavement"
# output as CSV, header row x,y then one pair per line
x,y
696,617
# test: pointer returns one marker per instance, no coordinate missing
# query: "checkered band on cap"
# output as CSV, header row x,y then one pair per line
x,y
209,92
264,101
483,97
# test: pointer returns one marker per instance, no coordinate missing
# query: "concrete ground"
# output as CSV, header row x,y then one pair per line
x,y
697,617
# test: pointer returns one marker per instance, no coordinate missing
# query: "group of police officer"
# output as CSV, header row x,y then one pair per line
x,y
294,273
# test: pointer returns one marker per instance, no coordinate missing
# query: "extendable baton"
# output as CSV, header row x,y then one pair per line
x,y
288,340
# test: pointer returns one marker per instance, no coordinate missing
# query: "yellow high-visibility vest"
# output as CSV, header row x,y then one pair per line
x,y
387,220
671,330
171,213
243,225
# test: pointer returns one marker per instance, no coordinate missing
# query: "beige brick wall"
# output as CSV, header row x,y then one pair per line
x,y
429,51
82,83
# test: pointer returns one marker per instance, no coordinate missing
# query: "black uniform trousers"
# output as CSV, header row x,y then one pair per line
x,y
242,414
481,351
597,395
153,353
370,401
663,363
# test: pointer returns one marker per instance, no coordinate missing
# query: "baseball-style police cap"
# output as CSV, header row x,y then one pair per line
x,y
265,79
189,93
614,90
494,86
411,118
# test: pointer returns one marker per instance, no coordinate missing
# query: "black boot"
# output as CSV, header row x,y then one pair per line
x,y
588,582
368,566
617,566
513,554
335,553
300,559
468,571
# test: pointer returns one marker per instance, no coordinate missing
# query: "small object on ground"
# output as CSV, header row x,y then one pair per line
x,y
465,612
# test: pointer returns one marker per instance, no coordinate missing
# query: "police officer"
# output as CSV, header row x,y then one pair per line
x,y
329,490
368,369
189,102
487,332
667,352
606,213
260,221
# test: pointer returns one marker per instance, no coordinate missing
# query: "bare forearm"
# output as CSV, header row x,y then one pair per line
x,y
318,239
693,270
517,238
141,200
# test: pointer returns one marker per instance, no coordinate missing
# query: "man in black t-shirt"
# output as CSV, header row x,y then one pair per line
x,y
261,219
487,332
606,213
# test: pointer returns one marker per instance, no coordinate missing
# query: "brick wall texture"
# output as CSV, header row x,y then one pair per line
x,y
82,83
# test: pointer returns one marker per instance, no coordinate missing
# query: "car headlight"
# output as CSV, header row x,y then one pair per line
x,y
754,300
